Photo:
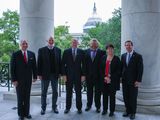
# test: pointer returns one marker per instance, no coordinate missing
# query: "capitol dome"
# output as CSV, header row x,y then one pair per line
x,y
92,21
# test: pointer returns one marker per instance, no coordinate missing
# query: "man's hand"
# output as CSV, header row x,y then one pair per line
x,y
83,78
136,84
107,80
65,78
40,77
15,83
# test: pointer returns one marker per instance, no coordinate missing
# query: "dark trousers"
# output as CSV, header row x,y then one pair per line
x,y
69,92
23,98
108,92
130,98
44,87
93,89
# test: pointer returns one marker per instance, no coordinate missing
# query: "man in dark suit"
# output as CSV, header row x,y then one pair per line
x,y
93,56
23,69
49,67
132,70
73,74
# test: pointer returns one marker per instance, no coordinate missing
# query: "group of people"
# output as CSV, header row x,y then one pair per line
x,y
102,71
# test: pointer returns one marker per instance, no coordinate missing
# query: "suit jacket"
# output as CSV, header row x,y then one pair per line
x,y
134,70
92,66
21,71
44,62
73,69
115,71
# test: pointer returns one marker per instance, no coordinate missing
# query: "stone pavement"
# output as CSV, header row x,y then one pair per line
x,y
7,112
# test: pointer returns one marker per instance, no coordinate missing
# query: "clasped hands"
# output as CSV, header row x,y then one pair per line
x,y
107,80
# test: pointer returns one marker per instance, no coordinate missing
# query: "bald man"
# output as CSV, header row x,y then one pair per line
x,y
49,67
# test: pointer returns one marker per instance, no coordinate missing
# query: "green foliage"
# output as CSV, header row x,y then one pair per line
x,y
62,37
6,49
108,32
85,41
5,58
9,26
9,33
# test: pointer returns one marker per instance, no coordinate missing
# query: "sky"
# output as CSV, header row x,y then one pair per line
x,y
73,13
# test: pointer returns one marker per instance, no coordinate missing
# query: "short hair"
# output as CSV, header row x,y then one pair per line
x,y
129,41
51,38
74,39
23,40
109,46
94,39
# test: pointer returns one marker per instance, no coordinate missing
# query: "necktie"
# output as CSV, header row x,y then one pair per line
x,y
74,54
93,54
129,57
25,57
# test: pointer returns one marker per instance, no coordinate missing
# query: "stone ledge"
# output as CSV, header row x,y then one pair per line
x,y
33,99
140,108
119,104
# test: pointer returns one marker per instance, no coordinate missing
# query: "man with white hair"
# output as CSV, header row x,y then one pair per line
x,y
23,71
93,56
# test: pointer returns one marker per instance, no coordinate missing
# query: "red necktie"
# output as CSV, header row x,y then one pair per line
x,y
25,57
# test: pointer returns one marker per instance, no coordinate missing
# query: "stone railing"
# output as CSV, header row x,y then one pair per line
x,y
6,82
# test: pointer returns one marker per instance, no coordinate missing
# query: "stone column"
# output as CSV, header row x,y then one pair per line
x,y
36,22
36,26
141,23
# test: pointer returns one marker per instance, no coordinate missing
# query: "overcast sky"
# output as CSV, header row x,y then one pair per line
x,y
75,12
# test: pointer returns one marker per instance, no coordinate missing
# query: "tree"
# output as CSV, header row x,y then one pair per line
x,y
9,34
9,26
62,37
107,32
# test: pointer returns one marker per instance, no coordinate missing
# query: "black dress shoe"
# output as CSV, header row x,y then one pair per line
x,y
132,116
98,110
55,110
21,118
111,114
104,112
87,108
66,111
28,117
79,111
125,114
42,112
